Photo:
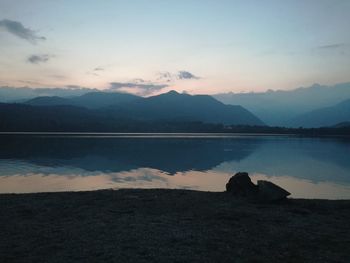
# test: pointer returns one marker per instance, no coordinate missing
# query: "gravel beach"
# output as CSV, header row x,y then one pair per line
x,y
162,225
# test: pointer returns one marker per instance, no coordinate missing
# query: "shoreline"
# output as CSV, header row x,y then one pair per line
x,y
163,225
68,192
169,135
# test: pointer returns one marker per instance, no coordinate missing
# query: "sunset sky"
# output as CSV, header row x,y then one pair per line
x,y
151,46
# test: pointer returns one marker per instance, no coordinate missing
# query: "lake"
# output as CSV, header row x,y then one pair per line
x,y
306,167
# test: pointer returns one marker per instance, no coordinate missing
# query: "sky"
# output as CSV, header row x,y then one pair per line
x,y
152,46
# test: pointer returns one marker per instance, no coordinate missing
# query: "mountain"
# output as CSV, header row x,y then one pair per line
x,y
95,100
184,107
21,117
345,124
328,116
12,94
48,101
170,112
170,106
280,107
91,100
276,108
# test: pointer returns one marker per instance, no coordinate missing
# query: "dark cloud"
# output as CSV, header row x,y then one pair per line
x,y
32,82
17,29
95,72
92,73
186,75
333,46
36,59
182,75
57,76
138,81
140,88
165,76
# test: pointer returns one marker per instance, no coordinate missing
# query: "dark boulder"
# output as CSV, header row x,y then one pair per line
x,y
241,185
268,191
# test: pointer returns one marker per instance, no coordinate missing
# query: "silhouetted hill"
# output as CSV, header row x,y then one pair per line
x,y
12,94
21,117
95,100
91,100
170,106
328,116
48,101
276,108
184,107
67,118
342,125
281,107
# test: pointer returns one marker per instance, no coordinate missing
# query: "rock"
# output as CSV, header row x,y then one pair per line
x,y
241,185
268,191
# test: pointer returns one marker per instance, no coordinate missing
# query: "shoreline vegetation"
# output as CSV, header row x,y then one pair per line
x,y
163,225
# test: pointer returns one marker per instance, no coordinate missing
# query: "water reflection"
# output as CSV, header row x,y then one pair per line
x,y
311,168
313,159
124,154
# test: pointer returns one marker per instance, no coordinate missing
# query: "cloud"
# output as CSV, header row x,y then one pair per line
x,y
138,80
57,76
17,29
95,71
186,75
75,87
165,76
137,87
180,75
32,82
37,59
92,73
332,46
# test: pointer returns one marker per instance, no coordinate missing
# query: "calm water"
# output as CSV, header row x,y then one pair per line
x,y
307,167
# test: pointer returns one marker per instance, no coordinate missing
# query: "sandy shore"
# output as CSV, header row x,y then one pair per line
x,y
170,226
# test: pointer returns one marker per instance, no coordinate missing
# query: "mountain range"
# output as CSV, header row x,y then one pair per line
x,y
314,106
20,94
328,116
102,111
91,100
286,107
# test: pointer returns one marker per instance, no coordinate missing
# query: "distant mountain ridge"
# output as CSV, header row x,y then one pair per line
x,y
91,100
280,108
20,94
184,107
345,124
48,101
275,108
100,111
328,116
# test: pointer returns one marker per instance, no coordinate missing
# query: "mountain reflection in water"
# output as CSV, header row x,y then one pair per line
x,y
311,167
